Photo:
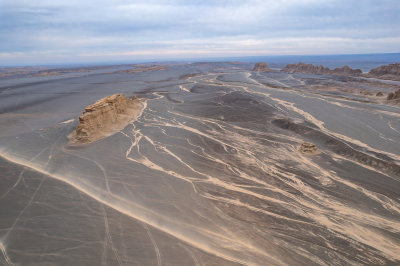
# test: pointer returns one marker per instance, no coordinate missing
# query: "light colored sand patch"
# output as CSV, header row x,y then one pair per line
x,y
184,89
67,121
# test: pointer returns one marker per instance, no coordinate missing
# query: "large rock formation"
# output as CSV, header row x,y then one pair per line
x,y
311,69
346,71
105,117
391,71
306,68
261,67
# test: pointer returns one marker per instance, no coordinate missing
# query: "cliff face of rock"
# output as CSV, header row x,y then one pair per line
x,y
311,69
391,71
261,67
105,117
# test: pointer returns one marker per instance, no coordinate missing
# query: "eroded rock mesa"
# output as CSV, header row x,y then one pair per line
x,y
320,70
346,71
261,67
306,68
105,117
391,71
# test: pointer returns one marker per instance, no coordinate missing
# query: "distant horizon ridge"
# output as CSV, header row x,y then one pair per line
x,y
244,58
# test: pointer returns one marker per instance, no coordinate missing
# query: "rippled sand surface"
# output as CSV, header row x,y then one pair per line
x,y
209,174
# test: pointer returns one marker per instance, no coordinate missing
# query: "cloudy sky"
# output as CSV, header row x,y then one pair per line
x,y
73,31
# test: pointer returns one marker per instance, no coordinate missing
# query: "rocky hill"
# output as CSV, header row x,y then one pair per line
x,y
391,71
105,117
311,69
261,67
346,71
306,68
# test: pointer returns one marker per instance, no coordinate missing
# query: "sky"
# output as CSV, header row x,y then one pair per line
x,y
34,32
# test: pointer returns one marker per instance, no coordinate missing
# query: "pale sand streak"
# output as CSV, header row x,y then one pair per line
x,y
3,251
137,212
323,216
307,116
394,227
340,208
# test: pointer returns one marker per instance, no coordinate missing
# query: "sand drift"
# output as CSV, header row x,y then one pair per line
x,y
206,169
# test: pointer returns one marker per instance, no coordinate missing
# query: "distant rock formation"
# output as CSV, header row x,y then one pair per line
x,y
320,70
391,71
308,148
394,95
306,68
105,117
261,67
141,69
346,71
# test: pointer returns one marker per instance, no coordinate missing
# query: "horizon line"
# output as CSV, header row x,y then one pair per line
x,y
185,60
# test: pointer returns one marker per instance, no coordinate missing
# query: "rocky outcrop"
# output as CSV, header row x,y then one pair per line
x,y
338,146
308,148
394,95
141,69
346,71
320,70
391,71
261,67
306,68
105,117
